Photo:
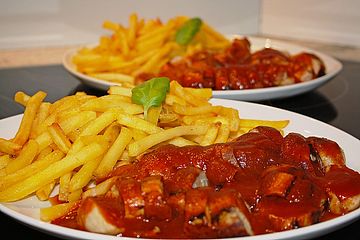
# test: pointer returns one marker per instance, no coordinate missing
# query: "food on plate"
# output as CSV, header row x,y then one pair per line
x,y
193,53
237,67
160,161
261,182
62,149
143,46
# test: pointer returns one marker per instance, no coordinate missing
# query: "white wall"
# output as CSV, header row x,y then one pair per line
x,y
39,23
329,21
34,23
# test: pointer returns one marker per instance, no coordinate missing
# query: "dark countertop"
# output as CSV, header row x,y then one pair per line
x,y
336,103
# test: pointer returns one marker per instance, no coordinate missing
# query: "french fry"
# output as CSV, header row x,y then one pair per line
x,y
114,77
62,103
171,99
112,132
100,123
121,34
114,153
154,43
87,60
180,142
9,147
137,123
25,157
88,139
35,167
42,127
142,47
154,114
106,103
61,116
22,98
80,93
59,137
187,95
189,110
84,175
125,159
74,135
4,160
141,59
70,124
50,213
43,153
42,114
223,134
232,115
138,147
211,134
52,172
111,25
64,184
161,30
75,196
118,97
43,140
155,59
123,91
165,118
31,108
100,188
205,119
133,26
204,93
251,123
76,147
43,193
149,25
138,134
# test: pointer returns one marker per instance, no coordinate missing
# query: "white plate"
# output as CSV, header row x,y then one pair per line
x,y
27,210
333,67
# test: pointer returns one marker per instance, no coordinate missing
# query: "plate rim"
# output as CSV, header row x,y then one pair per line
x,y
300,233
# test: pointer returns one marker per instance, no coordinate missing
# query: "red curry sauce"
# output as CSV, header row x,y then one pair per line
x,y
262,169
238,68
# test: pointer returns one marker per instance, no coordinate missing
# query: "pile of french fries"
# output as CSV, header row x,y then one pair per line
x,y
62,148
142,47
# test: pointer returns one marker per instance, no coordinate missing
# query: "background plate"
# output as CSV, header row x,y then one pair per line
x,y
333,67
27,211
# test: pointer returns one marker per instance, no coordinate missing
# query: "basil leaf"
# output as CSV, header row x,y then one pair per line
x,y
188,31
151,93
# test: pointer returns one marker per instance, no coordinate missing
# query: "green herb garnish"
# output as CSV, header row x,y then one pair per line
x,y
151,93
188,31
